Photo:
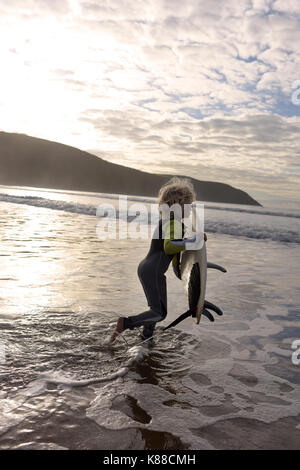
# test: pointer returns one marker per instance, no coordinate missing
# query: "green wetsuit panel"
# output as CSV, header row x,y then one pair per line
x,y
172,230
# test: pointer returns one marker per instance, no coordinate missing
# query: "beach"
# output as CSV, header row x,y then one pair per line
x,y
231,384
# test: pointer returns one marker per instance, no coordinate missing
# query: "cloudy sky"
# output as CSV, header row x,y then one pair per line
x,y
209,89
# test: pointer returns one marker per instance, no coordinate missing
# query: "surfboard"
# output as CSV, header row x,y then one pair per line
x,y
194,275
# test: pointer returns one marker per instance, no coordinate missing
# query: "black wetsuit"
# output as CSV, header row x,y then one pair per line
x,y
151,272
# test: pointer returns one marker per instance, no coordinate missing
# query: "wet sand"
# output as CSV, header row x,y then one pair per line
x,y
227,385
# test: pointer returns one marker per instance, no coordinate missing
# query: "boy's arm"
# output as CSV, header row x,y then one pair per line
x,y
172,232
173,241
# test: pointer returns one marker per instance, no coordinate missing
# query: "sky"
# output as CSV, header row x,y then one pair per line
x,y
206,89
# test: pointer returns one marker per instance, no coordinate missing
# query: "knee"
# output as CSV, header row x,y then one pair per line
x,y
163,315
160,313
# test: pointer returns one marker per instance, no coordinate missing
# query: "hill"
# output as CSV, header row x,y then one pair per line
x,y
29,161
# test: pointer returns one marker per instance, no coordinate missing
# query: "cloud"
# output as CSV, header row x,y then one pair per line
x,y
178,84
290,7
258,147
31,7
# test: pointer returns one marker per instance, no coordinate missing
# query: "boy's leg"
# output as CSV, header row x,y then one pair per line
x,y
148,330
154,285
157,300
147,319
160,304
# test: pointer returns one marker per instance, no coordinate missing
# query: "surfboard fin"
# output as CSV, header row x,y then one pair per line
x,y
210,306
216,266
190,313
208,315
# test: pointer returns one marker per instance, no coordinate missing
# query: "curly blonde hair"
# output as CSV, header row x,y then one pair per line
x,y
177,191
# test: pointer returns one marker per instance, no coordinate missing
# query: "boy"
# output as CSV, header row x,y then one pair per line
x,y
166,244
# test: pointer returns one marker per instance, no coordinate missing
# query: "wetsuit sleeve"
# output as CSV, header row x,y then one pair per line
x,y
172,231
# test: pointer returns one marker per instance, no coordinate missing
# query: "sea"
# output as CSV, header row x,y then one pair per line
x,y
67,274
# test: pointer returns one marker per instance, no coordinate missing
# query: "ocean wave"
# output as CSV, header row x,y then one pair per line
x,y
253,211
232,228
50,204
257,232
136,354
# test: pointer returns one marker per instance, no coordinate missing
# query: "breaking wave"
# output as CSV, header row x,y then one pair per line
x,y
237,228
